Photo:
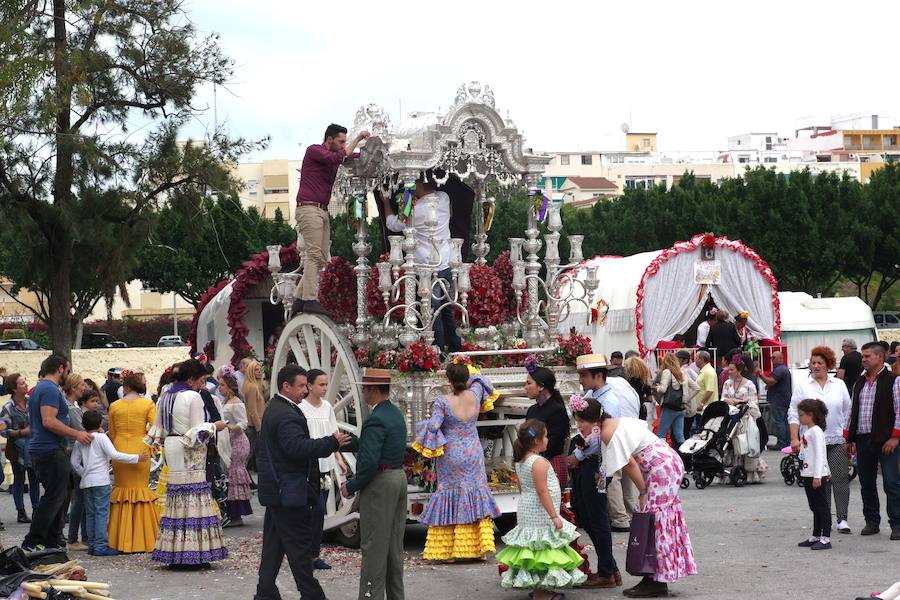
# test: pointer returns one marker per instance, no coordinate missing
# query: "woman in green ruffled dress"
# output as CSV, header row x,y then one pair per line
x,y
537,553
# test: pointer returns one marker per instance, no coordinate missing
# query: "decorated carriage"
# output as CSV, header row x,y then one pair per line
x,y
477,156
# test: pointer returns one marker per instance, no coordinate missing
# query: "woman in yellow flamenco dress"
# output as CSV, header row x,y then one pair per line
x,y
460,513
133,517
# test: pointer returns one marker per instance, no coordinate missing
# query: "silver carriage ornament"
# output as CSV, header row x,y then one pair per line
x,y
473,142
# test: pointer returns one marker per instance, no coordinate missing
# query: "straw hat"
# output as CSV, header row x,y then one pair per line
x,y
374,377
591,361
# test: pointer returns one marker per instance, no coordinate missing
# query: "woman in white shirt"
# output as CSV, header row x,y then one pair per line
x,y
833,392
739,390
322,422
234,413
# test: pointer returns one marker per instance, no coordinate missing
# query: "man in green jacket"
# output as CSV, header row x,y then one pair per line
x,y
381,482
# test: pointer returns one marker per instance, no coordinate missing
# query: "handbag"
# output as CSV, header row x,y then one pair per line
x,y
293,488
640,558
11,452
674,399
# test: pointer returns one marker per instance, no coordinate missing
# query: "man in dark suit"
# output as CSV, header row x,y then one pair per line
x,y
286,451
381,482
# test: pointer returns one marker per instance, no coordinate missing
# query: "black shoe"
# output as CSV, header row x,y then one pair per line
x,y
321,565
895,533
652,589
312,307
23,518
870,529
637,588
807,543
820,546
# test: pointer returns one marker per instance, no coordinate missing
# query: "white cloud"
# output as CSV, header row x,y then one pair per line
x,y
568,72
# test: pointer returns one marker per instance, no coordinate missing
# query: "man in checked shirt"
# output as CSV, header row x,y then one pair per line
x,y
874,430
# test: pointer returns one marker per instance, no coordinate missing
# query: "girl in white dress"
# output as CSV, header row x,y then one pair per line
x,y
322,422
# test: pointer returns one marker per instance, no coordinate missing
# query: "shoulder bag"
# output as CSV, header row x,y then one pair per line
x,y
674,399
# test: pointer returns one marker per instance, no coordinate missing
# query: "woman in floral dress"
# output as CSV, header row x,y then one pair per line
x,y
656,470
460,513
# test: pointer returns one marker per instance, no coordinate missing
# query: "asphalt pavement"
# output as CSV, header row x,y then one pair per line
x,y
745,544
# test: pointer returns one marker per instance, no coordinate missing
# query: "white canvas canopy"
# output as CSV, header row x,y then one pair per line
x,y
653,296
807,322
212,324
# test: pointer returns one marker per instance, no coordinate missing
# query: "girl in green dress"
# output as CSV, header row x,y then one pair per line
x,y
537,553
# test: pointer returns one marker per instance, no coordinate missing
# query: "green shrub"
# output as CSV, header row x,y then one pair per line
x,y
13,334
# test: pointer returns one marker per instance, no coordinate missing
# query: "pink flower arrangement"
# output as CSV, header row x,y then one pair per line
x,y
577,403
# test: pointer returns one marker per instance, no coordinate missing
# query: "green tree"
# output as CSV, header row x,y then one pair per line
x,y
197,242
74,78
883,195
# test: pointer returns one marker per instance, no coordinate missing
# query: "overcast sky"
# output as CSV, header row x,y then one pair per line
x,y
568,73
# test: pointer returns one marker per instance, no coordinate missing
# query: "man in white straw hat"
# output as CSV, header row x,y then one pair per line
x,y
619,399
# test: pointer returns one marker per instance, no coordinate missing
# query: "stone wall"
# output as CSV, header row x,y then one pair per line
x,y
93,364
889,335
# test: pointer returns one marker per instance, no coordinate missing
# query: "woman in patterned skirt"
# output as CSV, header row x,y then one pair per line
x,y
234,413
460,513
656,470
190,532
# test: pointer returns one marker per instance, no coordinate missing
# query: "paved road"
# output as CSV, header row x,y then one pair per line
x,y
744,540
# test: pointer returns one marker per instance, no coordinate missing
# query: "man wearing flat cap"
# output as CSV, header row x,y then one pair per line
x,y
381,483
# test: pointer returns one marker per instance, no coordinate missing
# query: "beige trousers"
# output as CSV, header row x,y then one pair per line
x,y
621,496
315,227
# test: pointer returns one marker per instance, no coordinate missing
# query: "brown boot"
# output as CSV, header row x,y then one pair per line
x,y
599,581
618,577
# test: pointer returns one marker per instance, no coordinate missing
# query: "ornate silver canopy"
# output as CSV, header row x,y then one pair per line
x,y
471,140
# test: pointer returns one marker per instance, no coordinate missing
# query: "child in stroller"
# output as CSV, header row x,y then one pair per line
x,y
709,450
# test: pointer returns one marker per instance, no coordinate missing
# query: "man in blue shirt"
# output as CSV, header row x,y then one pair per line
x,y
48,415
778,394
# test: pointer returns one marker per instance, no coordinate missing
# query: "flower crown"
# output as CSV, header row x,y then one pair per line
x,y
227,370
736,360
531,364
577,403
461,358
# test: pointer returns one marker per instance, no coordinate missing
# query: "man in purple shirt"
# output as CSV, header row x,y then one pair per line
x,y
317,174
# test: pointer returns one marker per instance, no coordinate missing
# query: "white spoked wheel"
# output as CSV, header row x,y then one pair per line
x,y
314,342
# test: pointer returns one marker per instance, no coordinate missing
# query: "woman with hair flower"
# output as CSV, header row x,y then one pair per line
x,y
739,390
459,514
540,386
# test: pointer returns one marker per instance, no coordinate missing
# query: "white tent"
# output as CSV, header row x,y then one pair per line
x,y
212,324
653,296
807,322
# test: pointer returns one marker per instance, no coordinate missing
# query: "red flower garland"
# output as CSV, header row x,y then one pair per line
x,y
337,290
689,246
504,269
255,270
487,302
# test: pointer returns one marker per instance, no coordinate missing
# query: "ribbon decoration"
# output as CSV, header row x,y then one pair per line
x,y
354,210
541,204
409,202
488,214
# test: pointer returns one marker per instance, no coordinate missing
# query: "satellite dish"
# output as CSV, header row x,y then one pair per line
x,y
625,128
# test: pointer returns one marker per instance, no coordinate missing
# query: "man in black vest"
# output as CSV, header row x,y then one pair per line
x,y
875,431
287,455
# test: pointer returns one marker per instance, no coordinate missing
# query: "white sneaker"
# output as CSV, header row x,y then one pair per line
x,y
843,527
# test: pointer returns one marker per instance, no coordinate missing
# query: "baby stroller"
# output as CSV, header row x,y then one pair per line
x,y
790,467
707,449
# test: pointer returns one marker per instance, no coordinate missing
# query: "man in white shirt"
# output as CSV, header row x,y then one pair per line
x,y
619,399
703,328
432,247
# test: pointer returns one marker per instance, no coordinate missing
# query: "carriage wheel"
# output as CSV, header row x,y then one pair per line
x,y
314,342
703,480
